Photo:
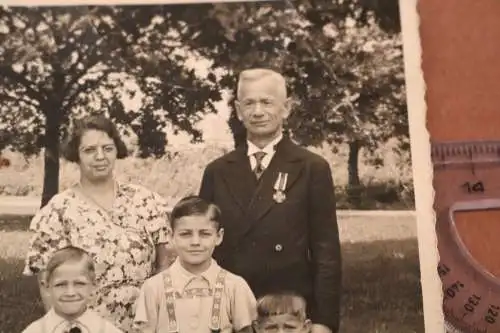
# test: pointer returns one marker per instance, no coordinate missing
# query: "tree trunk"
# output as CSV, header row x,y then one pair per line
x,y
354,184
51,157
352,163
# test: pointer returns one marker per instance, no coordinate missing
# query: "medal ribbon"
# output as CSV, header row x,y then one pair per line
x,y
279,187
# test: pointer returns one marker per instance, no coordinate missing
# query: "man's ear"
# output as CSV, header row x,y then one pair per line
x,y
220,236
287,109
237,107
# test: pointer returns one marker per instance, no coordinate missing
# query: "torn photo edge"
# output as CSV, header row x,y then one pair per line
x,y
422,167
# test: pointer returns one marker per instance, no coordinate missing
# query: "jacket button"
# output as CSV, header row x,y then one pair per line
x,y
278,247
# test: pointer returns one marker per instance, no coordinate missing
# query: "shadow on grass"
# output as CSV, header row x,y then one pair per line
x,y
19,298
381,287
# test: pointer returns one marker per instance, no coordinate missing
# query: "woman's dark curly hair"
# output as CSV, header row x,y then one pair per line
x,y
92,122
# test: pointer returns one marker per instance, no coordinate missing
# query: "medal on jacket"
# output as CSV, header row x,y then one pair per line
x,y
279,187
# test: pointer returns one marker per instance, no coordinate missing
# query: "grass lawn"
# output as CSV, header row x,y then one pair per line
x,y
381,282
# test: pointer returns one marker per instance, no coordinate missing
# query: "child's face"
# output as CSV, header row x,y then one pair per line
x,y
194,239
70,288
284,323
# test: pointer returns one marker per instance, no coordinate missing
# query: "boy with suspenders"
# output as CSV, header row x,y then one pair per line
x,y
195,295
70,282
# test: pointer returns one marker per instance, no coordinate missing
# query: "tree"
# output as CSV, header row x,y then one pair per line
x,y
342,59
60,61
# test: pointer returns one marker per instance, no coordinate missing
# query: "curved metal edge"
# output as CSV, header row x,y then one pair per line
x,y
461,206
450,328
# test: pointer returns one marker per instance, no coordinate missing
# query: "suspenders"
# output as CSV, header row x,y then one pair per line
x,y
214,325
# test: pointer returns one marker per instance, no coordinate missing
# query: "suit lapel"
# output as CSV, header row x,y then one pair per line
x,y
239,178
285,160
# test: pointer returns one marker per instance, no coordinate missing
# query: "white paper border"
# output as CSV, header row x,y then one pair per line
x,y
422,168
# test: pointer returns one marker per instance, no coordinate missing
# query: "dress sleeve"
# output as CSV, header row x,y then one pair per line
x,y
243,305
158,223
48,235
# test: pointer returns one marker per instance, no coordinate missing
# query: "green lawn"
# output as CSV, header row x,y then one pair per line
x,y
381,283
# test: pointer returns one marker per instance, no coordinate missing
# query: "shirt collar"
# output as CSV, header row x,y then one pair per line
x,y
88,321
269,148
183,277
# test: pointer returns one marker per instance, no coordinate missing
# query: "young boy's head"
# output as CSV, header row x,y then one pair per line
x,y
283,312
196,231
70,281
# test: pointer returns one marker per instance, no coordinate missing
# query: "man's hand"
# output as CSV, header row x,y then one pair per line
x,y
319,328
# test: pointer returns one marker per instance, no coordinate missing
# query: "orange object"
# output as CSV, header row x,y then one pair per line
x,y
460,53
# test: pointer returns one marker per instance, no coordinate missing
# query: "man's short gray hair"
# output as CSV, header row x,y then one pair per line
x,y
257,74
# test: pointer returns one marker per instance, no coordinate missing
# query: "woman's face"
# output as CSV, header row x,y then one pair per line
x,y
97,154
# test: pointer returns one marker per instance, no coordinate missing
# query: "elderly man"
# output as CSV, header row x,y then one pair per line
x,y
278,205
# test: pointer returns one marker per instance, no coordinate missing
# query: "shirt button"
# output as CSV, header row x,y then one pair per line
x,y
278,247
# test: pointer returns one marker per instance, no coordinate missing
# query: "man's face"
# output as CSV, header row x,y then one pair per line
x,y
262,108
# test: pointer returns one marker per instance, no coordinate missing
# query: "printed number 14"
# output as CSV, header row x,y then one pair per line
x,y
474,187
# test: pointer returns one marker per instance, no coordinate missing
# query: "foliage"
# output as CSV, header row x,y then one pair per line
x,y
60,62
70,60
342,59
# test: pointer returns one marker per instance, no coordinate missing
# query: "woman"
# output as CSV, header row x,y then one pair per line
x,y
123,226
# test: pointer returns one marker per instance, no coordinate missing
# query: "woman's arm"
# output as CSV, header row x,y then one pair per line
x,y
165,256
158,226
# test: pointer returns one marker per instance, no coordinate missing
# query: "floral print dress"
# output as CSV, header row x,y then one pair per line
x,y
122,243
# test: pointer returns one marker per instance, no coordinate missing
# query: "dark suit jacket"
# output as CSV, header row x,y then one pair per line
x,y
292,245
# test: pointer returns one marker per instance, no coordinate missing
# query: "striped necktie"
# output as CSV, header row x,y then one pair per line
x,y
259,168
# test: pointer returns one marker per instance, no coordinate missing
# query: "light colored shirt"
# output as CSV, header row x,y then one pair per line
x,y
269,150
193,301
88,322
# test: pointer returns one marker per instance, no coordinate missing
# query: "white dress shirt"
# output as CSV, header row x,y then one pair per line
x,y
269,150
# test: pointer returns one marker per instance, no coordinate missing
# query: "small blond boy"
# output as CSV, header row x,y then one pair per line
x,y
69,281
